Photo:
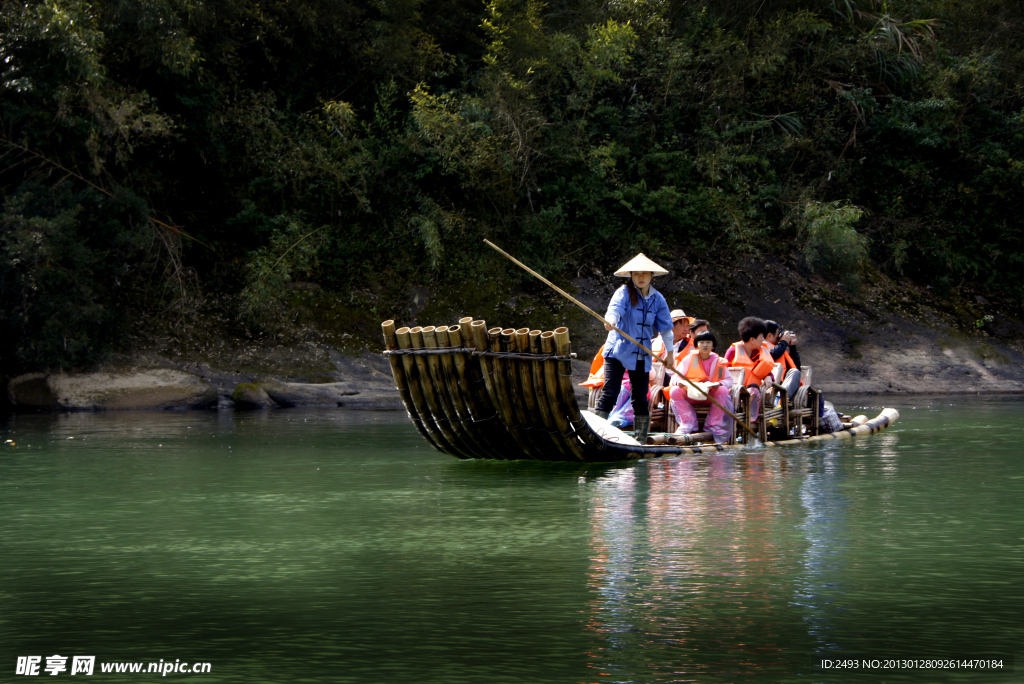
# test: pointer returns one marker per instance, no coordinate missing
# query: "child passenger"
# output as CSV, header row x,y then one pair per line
x,y
703,366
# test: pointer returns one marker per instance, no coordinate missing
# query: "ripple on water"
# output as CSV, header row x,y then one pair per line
x,y
323,546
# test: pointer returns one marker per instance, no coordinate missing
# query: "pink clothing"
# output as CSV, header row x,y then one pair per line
x,y
623,409
708,365
718,423
755,403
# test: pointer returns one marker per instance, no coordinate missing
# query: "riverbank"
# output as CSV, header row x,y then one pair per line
x,y
890,337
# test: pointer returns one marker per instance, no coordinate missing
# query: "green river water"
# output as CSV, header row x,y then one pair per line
x,y
319,545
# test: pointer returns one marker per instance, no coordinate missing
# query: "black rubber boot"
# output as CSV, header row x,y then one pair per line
x,y
641,425
603,414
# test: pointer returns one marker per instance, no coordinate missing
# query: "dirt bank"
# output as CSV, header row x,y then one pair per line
x,y
890,337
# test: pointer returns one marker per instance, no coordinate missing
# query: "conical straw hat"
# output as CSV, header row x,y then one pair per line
x,y
640,263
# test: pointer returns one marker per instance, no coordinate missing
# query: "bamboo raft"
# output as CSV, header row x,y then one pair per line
x,y
496,393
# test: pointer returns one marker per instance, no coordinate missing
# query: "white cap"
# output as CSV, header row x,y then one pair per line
x,y
640,263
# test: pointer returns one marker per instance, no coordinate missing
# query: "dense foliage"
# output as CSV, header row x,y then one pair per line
x,y
154,150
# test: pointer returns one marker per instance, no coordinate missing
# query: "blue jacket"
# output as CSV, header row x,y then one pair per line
x,y
643,322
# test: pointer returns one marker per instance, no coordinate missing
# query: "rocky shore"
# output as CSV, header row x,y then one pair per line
x,y
165,384
890,338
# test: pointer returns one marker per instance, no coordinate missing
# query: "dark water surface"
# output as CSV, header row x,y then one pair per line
x,y
303,545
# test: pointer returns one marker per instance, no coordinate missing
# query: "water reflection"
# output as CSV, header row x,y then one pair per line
x,y
825,529
691,559
324,546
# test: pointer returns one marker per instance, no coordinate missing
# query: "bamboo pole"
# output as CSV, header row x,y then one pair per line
x,y
431,335
483,409
482,422
529,398
404,337
494,381
682,440
480,337
479,400
559,413
391,342
568,393
670,366
454,391
484,416
541,398
430,394
475,335
505,370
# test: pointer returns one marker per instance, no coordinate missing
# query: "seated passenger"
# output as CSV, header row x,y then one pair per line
x,y
697,326
703,365
681,327
782,346
747,354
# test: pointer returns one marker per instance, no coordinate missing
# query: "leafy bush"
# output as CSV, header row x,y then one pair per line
x,y
831,243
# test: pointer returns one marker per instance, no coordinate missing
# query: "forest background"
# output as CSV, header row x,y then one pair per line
x,y
170,166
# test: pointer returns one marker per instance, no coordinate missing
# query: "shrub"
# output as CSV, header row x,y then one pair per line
x,y
831,244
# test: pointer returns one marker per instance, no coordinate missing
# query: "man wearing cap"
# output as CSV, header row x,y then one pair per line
x,y
641,312
683,343
681,332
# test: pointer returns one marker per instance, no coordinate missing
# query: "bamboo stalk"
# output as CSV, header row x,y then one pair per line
x,y
480,337
444,336
483,422
535,421
430,394
541,398
670,366
391,342
506,370
682,440
568,393
560,412
412,372
493,380
443,390
484,416
483,409
481,400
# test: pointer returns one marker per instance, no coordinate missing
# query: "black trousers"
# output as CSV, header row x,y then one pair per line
x,y
613,372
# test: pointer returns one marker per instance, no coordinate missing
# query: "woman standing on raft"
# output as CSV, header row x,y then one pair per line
x,y
641,312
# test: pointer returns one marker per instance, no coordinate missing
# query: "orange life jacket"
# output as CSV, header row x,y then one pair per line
x,y
786,360
687,349
695,369
756,372
596,378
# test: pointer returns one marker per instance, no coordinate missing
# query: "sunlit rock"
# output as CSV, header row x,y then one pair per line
x,y
161,388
